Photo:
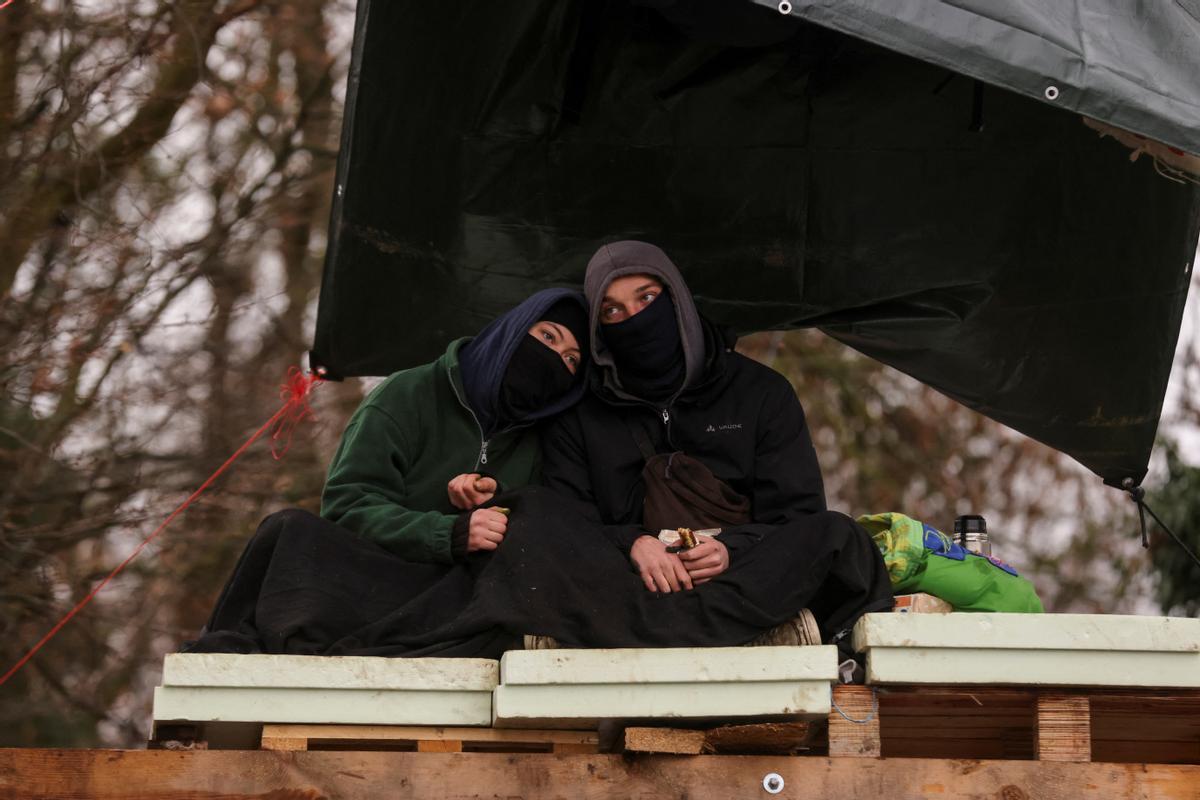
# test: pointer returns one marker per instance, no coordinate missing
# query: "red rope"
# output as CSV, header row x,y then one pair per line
x,y
294,410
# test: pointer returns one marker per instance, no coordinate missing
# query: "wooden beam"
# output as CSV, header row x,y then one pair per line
x,y
284,743
1064,728
854,723
439,746
765,738
679,741
414,733
236,774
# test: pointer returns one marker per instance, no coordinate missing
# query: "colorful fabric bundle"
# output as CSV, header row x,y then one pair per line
x,y
920,558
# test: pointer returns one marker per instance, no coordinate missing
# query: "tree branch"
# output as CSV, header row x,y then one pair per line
x,y
194,29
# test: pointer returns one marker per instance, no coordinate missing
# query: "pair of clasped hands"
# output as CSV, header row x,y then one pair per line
x,y
487,526
660,571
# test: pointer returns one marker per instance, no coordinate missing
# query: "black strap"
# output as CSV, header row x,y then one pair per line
x,y
639,436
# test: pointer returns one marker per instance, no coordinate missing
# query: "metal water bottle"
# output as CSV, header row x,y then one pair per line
x,y
970,530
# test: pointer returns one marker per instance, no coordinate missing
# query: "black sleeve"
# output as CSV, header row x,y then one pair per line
x,y
565,470
787,477
787,480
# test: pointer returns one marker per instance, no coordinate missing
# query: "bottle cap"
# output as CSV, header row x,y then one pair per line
x,y
970,523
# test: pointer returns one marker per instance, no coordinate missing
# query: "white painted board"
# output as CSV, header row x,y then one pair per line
x,y
668,665
322,706
324,672
942,666
1076,632
587,705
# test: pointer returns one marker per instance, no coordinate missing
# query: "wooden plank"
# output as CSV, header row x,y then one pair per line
x,y
1064,728
854,729
414,733
426,739
284,743
782,738
679,741
236,775
439,746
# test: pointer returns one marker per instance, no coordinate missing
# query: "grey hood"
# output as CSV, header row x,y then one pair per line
x,y
632,257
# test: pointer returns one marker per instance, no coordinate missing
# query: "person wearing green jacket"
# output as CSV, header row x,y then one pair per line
x,y
432,443
404,513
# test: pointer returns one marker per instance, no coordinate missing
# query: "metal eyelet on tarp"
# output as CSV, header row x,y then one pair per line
x,y
1051,93
785,7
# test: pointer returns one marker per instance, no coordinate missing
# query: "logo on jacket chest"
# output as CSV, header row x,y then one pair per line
x,y
729,426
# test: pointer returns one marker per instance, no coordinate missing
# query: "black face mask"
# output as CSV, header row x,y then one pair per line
x,y
648,351
536,376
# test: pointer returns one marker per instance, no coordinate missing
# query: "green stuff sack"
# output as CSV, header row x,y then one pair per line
x,y
920,558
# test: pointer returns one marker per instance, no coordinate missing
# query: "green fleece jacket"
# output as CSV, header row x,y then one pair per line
x,y
409,437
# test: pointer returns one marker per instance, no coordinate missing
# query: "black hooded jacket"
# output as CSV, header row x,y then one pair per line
x,y
738,417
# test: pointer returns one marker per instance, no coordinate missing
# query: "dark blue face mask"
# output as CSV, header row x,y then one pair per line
x,y
647,350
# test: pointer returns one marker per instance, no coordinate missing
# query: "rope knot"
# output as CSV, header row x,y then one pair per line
x,y
294,393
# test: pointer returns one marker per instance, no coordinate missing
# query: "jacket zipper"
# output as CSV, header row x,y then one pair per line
x,y
483,441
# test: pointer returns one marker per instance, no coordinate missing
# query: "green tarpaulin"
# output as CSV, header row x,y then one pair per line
x,y
864,174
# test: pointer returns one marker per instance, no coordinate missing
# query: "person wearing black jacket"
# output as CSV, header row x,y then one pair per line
x,y
664,381
668,378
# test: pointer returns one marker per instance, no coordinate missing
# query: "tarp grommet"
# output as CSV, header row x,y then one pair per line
x,y
785,7
1051,93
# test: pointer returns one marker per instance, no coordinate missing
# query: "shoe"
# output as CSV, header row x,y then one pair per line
x,y
533,642
800,631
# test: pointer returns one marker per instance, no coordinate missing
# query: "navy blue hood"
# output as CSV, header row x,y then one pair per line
x,y
483,361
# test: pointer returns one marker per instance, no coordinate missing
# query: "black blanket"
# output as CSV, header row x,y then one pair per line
x,y
305,586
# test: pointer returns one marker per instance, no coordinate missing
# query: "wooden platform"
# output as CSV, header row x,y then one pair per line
x,y
243,775
981,722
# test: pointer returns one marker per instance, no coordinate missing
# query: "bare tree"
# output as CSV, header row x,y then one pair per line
x,y
164,188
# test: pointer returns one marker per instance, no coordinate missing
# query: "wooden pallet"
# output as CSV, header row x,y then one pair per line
x,y
980,722
1048,724
426,739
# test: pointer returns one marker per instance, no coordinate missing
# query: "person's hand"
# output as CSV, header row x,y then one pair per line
x,y
706,560
469,490
661,571
486,529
